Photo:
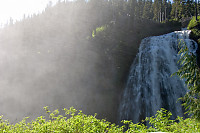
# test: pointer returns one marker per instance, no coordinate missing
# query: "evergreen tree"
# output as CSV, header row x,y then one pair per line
x,y
156,10
196,13
169,8
198,6
178,9
147,11
139,8
131,7
165,10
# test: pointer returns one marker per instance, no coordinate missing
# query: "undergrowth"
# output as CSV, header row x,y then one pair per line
x,y
194,26
76,122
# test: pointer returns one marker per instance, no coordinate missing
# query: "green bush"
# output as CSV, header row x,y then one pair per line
x,y
99,30
194,26
193,23
76,122
190,73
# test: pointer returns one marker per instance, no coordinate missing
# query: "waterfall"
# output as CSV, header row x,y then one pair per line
x,y
150,85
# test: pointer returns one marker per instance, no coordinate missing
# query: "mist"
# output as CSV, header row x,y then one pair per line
x,y
59,59
49,60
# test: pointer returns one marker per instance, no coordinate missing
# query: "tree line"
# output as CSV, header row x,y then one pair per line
x,y
99,12
103,11
157,10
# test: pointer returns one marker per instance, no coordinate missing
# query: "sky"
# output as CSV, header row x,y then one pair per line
x,y
16,9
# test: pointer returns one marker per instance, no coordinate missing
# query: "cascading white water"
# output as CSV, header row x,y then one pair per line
x,y
150,85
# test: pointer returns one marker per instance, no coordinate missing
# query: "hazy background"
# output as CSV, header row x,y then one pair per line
x,y
70,54
49,59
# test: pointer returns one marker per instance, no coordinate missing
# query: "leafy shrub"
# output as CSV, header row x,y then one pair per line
x,y
76,122
161,121
99,30
72,122
190,73
193,23
194,26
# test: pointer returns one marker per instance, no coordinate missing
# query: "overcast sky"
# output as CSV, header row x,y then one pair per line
x,y
16,9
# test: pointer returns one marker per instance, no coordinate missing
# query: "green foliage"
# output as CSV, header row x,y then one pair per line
x,y
193,23
72,122
190,73
99,30
194,26
148,10
182,9
161,121
76,122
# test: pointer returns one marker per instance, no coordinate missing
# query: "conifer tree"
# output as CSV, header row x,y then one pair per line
x,y
147,10
165,9
196,13
177,9
156,10
132,7
168,9
139,8
131,11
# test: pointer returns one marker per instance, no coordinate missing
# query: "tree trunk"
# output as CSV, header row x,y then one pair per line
x,y
196,9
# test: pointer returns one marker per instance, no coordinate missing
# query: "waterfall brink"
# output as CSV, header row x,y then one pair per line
x,y
150,85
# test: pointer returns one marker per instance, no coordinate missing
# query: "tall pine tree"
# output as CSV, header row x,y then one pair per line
x,y
147,10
